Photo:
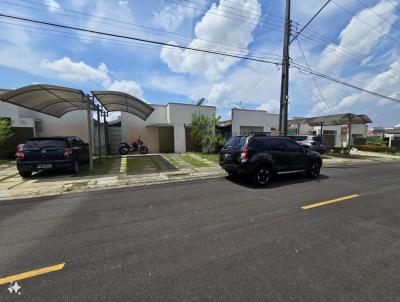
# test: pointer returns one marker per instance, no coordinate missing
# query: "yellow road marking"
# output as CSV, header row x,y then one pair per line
x,y
33,273
314,205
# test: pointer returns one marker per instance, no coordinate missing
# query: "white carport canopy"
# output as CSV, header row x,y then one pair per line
x,y
48,99
53,100
120,101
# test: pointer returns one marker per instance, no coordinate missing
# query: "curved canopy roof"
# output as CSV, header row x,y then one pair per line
x,y
48,99
120,101
337,119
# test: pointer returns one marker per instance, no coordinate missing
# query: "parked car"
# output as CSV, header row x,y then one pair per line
x,y
260,157
313,142
51,153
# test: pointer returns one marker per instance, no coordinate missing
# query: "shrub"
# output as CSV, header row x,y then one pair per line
x,y
375,148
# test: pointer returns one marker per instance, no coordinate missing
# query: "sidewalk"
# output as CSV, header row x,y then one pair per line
x,y
12,186
189,166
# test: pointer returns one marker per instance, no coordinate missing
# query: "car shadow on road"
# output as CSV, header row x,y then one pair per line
x,y
277,181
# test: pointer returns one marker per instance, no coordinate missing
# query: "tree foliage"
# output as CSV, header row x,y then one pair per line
x,y
5,130
203,132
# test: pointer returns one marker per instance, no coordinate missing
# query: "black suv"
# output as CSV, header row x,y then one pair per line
x,y
261,156
51,153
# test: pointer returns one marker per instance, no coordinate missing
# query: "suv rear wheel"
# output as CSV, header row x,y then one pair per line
x,y
262,176
314,170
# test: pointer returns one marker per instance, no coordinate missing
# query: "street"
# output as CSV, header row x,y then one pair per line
x,y
211,240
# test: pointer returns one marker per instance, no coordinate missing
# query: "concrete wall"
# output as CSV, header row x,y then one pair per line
x,y
132,127
183,113
73,123
253,118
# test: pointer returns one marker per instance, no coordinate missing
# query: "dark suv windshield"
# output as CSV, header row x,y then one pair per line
x,y
236,142
46,143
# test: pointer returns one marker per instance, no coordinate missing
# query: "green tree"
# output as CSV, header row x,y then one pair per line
x,y
5,130
203,132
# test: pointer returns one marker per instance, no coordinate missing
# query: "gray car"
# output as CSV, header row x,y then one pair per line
x,y
313,142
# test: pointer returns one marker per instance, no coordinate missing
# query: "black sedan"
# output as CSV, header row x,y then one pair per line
x,y
51,153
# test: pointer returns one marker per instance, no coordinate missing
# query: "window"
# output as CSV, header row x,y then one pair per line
x,y
236,142
46,143
292,146
276,145
258,143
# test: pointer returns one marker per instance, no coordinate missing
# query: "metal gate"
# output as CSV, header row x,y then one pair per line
x,y
115,139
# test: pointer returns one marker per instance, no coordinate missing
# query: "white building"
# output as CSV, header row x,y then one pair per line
x,y
337,130
245,121
167,129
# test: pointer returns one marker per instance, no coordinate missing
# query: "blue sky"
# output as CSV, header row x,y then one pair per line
x,y
354,40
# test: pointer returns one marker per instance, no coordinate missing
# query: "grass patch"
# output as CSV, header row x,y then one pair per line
x,y
148,164
100,167
193,161
214,157
134,165
172,160
347,156
4,163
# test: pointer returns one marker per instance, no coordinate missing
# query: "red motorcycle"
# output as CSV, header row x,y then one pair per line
x,y
136,145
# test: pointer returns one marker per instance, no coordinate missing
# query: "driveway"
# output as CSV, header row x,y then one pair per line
x,y
216,240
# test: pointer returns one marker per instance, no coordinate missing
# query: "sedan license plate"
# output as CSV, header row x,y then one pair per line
x,y
44,166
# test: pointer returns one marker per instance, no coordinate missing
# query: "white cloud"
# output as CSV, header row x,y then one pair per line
x,y
358,37
213,27
124,4
129,87
53,5
77,71
272,106
220,94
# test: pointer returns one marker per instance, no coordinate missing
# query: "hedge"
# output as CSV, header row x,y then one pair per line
x,y
375,148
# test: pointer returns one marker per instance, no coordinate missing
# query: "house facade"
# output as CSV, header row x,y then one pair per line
x,y
167,129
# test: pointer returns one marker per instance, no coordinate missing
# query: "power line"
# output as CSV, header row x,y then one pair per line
x,y
118,21
300,67
365,23
137,39
379,15
275,28
308,23
312,76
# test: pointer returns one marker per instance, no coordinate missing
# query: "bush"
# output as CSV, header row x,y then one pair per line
x,y
375,148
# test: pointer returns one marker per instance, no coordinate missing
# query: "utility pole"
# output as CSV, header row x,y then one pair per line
x,y
284,101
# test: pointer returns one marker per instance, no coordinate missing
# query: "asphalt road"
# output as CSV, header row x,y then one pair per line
x,y
212,240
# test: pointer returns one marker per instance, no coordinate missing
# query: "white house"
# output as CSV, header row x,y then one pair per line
x,y
338,130
245,121
167,129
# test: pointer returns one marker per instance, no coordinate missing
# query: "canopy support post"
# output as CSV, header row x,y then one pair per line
x,y
99,130
321,127
89,120
106,139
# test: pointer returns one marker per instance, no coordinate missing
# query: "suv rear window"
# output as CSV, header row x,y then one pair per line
x,y
236,142
45,143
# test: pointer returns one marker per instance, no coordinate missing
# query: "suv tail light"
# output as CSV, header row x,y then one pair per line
x,y
67,152
20,154
244,156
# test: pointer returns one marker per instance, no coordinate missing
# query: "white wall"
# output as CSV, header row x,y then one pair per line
x,y
253,118
179,114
